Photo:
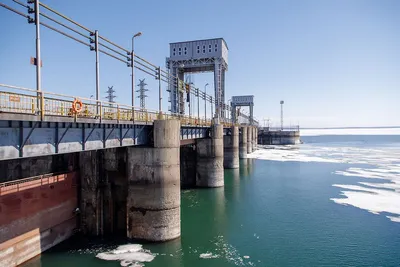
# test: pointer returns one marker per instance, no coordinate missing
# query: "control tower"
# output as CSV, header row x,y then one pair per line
x,y
193,57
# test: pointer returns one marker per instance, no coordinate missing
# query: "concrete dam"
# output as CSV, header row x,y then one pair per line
x,y
133,191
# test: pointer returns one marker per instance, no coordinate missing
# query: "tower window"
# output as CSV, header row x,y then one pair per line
x,y
209,46
198,51
216,45
180,53
180,49
209,50
173,54
198,47
204,51
185,52
185,48
204,47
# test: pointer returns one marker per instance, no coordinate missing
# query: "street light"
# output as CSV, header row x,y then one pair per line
x,y
133,67
190,99
205,101
282,102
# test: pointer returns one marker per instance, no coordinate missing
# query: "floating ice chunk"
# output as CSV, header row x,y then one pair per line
x,y
246,257
127,248
208,255
129,255
394,219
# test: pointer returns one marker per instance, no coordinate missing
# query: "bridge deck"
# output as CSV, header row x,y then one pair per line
x,y
41,124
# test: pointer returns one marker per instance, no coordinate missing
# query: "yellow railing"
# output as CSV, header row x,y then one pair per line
x,y
28,101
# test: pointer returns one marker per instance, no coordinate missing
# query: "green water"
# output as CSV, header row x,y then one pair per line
x,y
269,213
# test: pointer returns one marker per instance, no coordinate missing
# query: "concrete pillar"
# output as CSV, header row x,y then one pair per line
x,y
210,157
153,203
231,149
249,140
254,139
256,131
243,143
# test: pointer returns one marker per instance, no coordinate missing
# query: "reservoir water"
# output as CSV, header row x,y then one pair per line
x,y
332,201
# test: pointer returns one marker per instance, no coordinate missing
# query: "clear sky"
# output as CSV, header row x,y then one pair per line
x,y
333,62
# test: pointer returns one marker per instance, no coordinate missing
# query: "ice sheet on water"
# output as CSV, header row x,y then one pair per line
x,y
351,131
132,255
372,196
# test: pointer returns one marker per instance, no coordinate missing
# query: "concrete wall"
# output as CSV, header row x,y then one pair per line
x,y
35,215
278,137
103,191
188,161
28,167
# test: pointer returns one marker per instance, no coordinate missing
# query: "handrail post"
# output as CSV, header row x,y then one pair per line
x,y
118,114
41,105
101,109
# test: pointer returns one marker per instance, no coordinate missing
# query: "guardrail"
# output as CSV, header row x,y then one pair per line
x,y
20,100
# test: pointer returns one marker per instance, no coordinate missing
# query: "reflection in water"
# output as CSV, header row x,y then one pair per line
x,y
246,167
232,178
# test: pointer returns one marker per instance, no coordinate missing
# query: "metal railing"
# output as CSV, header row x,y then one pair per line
x,y
32,182
20,100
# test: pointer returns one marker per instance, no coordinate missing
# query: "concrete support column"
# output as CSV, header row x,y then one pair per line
x,y
254,139
153,203
243,143
210,157
249,140
231,149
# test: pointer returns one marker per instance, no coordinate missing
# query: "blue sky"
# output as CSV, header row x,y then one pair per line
x,y
334,63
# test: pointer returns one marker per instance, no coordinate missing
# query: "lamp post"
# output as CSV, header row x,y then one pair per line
x,y
133,68
190,99
229,108
198,104
282,102
205,101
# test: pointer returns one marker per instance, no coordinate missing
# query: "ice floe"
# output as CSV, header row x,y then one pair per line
x,y
132,255
208,255
383,164
351,131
